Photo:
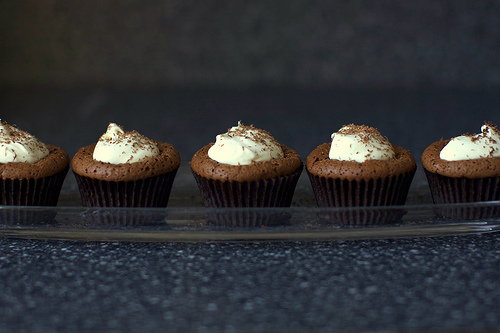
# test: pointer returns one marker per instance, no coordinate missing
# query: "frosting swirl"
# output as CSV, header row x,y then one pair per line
x,y
360,143
19,146
243,145
475,146
117,146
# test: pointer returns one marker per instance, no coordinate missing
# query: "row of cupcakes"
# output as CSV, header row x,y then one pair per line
x,y
247,167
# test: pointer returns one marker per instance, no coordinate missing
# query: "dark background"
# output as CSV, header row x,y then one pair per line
x,y
303,44
184,71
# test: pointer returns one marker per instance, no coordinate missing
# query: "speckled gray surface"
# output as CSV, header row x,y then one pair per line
x,y
444,283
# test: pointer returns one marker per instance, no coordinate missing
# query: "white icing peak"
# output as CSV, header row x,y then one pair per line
x,y
360,143
19,146
471,147
117,146
242,145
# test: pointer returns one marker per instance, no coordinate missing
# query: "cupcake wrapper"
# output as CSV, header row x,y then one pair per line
x,y
390,191
32,192
448,190
274,192
151,192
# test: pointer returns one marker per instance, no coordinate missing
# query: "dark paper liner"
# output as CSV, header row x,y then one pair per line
x,y
390,191
449,190
273,192
150,192
32,192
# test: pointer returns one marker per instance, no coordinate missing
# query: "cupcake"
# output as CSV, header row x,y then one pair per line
x,y
361,168
125,169
246,167
32,173
465,169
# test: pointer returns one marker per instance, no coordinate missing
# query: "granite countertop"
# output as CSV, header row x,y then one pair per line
x,y
418,283
440,283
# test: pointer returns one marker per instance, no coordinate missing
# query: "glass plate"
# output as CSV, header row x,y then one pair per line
x,y
185,219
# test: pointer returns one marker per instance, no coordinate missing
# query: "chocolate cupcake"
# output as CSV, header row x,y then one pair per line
x,y
246,167
31,174
125,169
465,169
360,168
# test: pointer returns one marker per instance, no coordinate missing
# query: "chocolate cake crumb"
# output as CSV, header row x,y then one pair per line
x,y
84,164
319,164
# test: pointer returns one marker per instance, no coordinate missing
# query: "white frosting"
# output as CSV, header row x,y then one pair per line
x,y
242,145
19,146
117,146
359,144
470,147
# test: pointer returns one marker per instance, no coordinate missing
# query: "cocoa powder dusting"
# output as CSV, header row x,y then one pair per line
x,y
365,133
133,138
490,127
255,134
18,135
